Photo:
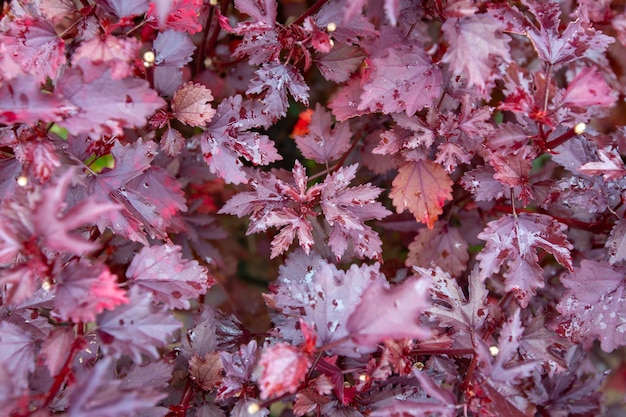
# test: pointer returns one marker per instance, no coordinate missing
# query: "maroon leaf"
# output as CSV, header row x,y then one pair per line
x,y
515,238
171,279
55,224
476,44
452,308
442,246
85,290
593,305
206,371
104,104
272,82
616,243
391,313
398,70
139,327
324,142
22,101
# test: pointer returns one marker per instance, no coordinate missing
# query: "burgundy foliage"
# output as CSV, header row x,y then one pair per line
x,y
335,208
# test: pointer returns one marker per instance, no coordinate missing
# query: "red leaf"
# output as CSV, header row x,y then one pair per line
x,y
422,187
588,89
284,368
206,371
139,327
55,224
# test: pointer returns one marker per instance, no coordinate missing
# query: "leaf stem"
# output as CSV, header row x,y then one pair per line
x,y
205,37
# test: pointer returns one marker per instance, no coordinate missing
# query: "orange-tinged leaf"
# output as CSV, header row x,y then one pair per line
x,y
422,187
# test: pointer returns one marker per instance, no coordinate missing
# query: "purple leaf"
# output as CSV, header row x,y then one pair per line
x,y
173,49
139,327
171,279
391,313
104,104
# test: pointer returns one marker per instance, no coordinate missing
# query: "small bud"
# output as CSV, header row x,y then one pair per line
x,y
208,62
580,128
253,408
418,365
493,350
331,27
362,377
214,2
148,59
45,286
22,181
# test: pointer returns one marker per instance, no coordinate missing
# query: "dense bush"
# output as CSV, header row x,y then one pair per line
x,y
333,208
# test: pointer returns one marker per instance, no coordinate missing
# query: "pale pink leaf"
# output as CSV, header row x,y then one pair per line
x,y
191,104
588,89
325,141
610,165
422,187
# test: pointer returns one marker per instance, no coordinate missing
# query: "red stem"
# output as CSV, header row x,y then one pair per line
x,y
66,369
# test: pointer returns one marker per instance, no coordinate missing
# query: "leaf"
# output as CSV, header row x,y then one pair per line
x,y
172,142
507,365
283,369
593,305
33,42
442,246
105,105
422,187
476,44
587,89
206,371
481,182
126,8
616,243
119,53
451,308
324,142
139,327
398,70
98,394
391,313
190,104
515,238
172,280
173,49
22,101
271,83
53,222
341,62
56,347
226,140
179,15
84,290
346,208
610,166
17,352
